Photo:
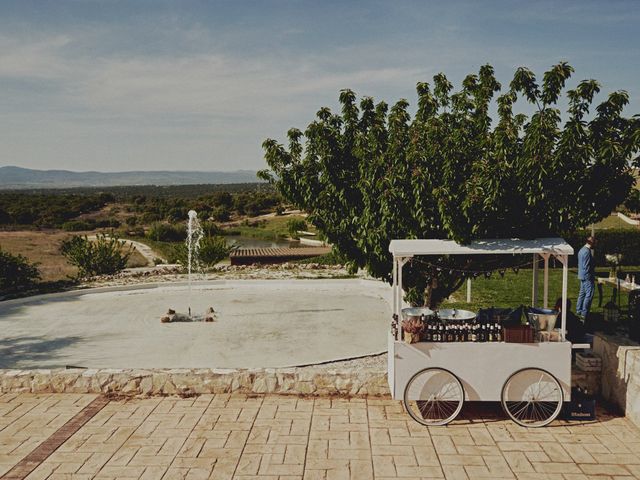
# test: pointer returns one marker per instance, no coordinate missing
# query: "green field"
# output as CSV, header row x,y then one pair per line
x,y
614,222
515,289
271,228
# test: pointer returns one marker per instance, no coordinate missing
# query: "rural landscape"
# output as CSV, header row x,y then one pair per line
x,y
282,240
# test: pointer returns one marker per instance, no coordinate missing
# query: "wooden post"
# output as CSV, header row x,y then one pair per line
x,y
468,290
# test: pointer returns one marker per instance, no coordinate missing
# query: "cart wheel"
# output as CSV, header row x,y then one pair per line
x,y
532,397
433,396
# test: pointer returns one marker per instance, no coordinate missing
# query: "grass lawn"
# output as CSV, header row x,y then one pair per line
x,y
43,248
515,289
614,222
270,228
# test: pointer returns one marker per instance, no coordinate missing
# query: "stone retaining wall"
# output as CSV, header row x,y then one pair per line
x,y
360,382
620,379
303,381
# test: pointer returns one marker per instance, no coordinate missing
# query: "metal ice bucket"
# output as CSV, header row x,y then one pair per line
x,y
416,313
543,318
453,314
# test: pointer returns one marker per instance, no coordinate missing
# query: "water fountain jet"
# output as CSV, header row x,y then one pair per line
x,y
194,236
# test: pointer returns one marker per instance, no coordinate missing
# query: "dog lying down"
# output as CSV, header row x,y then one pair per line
x,y
172,317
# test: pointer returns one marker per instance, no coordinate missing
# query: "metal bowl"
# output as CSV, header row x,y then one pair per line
x,y
453,314
416,313
543,318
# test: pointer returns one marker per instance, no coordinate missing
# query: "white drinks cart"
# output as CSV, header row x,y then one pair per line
x,y
434,379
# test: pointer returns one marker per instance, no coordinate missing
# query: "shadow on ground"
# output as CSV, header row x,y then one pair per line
x,y
27,351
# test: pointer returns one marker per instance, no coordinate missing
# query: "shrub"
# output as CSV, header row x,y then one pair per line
x,y
221,213
210,229
164,232
104,256
16,273
294,225
78,225
212,250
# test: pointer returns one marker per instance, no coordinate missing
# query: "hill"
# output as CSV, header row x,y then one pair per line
x,y
17,177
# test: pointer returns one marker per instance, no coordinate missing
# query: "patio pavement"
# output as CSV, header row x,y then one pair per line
x,y
278,437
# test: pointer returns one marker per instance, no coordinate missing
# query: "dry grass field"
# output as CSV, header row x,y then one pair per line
x,y
43,247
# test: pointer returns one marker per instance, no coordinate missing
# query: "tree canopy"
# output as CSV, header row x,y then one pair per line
x,y
372,173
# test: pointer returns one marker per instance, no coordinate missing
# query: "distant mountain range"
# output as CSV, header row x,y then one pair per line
x,y
17,177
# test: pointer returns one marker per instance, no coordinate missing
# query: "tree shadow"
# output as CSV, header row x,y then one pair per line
x,y
18,305
33,352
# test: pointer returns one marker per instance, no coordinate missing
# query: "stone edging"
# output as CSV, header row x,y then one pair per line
x,y
138,382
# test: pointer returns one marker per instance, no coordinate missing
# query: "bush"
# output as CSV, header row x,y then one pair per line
x,y
16,273
221,213
294,225
212,250
78,225
624,242
164,232
104,256
210,229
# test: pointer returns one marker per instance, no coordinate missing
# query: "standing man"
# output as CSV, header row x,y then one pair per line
x,y
587,277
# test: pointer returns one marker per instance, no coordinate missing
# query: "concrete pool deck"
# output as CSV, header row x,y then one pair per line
x,y
261,323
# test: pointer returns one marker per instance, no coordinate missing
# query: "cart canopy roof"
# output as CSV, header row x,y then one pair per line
x,y
410,248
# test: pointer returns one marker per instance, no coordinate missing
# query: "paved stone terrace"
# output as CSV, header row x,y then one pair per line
x,y
279,437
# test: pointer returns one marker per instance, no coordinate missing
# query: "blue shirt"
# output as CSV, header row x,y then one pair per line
x,y
586,264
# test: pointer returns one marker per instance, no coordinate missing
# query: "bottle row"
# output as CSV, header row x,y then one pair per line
x,y
435,331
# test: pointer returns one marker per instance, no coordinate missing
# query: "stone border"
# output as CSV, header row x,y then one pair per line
x,y
312,381
186,382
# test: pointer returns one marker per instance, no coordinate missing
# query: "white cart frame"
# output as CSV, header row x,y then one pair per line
x,y
482,368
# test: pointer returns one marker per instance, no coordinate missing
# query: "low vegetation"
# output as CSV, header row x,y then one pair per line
x,y
102,256
17,274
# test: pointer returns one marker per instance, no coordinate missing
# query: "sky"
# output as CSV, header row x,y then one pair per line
x,y
115,85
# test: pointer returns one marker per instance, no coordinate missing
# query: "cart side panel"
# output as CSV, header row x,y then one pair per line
x,y
482,368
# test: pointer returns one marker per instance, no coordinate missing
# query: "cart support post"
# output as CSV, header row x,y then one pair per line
x,y
534,288
394,280
565,283
546,280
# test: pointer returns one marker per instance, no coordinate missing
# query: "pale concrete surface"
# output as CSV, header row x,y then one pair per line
x,y
272,437
260,324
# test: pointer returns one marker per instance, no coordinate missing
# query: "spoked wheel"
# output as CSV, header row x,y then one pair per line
x,y
433,396
532,397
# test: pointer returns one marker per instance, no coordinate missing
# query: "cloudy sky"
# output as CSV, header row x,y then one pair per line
x,y
198,85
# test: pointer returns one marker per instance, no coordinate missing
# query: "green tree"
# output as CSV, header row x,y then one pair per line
x,y
16,273
103,256
294,225
371,174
